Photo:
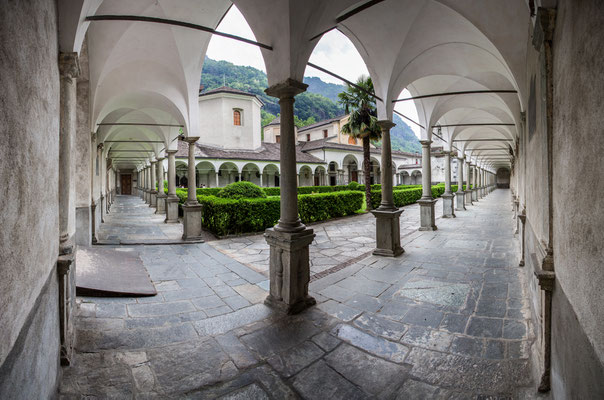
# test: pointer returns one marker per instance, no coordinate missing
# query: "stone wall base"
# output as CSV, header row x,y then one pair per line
x,y
191,222
387,232
426,215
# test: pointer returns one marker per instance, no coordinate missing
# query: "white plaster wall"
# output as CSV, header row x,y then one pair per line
x,y
216,121
29,126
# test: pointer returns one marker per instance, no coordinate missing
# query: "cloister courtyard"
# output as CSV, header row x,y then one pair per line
x,y
448,319
286,199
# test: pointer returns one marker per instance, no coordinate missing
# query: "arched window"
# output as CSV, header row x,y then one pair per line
x,y
237,117
351,140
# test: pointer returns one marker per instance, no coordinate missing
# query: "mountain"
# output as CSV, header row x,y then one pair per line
x,y
319,102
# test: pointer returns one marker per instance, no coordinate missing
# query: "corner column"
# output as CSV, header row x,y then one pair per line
x,y
289,264
172,199
387,224
161,194
448,196
426,203
191,209
153,191
460,196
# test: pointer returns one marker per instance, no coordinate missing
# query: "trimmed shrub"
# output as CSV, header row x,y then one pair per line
x,y
323,206
401,197
208,191
272,191
231,216
241,190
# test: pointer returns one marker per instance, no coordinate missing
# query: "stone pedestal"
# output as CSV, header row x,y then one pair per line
x,y
460,203
289,270
474,194
468,199
67,294
161,203
153,198
191,222
448,205
426,214
387,232
172,210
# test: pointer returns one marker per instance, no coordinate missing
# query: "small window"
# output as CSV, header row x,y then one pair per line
x,y
237,117
278,139
324,133
308,137
351,140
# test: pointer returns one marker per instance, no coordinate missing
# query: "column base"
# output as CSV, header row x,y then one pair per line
x,y
171,210
468,199
426,214
153,198
474,194
388,232
161,203
289,269
66,270
460,203
191,222
448,205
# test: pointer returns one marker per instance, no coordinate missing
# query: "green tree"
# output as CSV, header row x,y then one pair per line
x,y
362,123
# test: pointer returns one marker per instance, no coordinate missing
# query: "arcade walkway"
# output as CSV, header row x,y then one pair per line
x,y
448,319
132,221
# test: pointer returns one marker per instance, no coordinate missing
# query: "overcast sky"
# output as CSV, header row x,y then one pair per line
x,y
334,52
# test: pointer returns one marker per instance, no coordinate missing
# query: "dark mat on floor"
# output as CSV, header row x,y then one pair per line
x,y
111,272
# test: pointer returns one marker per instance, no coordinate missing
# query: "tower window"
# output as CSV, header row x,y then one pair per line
x,y
324,133
237,117
308,137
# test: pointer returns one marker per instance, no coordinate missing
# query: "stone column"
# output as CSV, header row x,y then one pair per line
x,y
161,194
153,190
475,183
69,69
192,209
468,184
172,199
261,180
460,204
289,240
448,196
387,224
426,203
217,178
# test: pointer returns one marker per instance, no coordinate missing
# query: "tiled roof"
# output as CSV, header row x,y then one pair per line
x,y
321,123
267,152
276,121
226,89
326,144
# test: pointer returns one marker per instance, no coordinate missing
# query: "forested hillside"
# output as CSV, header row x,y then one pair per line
x,y
319,102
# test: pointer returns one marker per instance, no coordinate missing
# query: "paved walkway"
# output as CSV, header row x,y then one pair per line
x,y
448,319
336,242
131,220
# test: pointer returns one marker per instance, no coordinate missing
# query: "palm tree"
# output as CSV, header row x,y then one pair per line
x,y
362,123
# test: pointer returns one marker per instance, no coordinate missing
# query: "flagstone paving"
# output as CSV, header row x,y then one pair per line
x,y
449,319
336,242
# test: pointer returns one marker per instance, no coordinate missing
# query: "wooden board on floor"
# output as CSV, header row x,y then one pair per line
x,y
103,271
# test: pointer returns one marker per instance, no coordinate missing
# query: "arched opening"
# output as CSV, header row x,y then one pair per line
x,y
228,173
416,178
351,169
306,177
182,173
333,173
270,176
320,178
206,174
375,172
251,173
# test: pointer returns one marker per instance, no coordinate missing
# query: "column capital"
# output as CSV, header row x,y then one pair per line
x,y
191,139
161,158
386,124
169,152
286,89
99,146
425,143
69,65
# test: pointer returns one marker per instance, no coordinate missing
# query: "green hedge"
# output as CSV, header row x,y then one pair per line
x,y
241,190
401,197
227,216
